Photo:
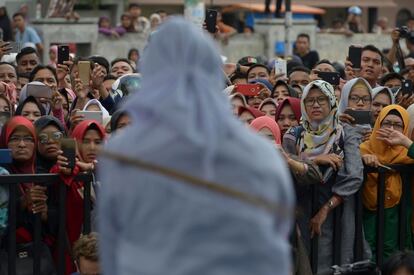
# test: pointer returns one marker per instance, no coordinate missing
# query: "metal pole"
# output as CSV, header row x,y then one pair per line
x,y
288,27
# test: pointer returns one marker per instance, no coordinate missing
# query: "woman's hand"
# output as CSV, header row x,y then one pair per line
x,y
97,76
86,167
349,70
75,119
63,163
62,70
317,221
405,101
36,199
332,160
80,89
346,118
371,160
367,135
57,101
393,137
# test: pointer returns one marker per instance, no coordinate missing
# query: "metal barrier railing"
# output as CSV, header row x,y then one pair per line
x,y
406,172
44,179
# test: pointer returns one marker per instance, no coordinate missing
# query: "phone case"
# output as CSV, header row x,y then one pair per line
x,y
248,89
361,117
92,115
68,146
354,56
39,91
280,66
84,72
330,77
63,54
211,20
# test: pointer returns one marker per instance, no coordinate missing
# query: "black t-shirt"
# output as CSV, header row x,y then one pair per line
x,y
310,59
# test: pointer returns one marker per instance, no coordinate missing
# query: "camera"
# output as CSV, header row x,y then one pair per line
x,y
406,33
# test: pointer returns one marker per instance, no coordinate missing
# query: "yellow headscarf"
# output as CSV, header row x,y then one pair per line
x,y
386,155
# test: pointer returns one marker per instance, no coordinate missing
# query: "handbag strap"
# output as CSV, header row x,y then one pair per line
x,y
256,201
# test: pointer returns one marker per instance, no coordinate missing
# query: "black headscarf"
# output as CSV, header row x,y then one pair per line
x,y
19,108
292,92
115,118
44,165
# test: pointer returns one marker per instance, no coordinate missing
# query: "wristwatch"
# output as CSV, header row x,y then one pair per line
x,y
330,204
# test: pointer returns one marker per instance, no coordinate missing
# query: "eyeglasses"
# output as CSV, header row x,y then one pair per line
x,y
310,101
389,124
355,99
45,137
18,139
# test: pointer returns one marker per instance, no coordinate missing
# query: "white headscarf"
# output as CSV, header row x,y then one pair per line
x,y
153,224
379,89
344,102
105,114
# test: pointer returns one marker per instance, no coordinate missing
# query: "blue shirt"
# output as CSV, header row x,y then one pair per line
x,y
28,35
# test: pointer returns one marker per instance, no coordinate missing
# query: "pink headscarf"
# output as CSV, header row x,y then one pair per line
x,y
266,122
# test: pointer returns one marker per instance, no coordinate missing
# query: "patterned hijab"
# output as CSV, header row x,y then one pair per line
x,y
319,138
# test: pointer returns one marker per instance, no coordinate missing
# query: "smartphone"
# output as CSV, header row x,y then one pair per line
x,y
361,117
5,156
280,67
407,87
248,89
4,117
84,72
354,55
63,53
330,77
38,91
68,146
211,20
93,115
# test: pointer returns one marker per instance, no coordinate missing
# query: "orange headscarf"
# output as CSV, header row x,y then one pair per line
x,y
386,155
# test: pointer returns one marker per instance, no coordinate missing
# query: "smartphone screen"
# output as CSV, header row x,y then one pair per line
x,y
211,20
330,77
63,53
84,72
68,146
354,55
280,67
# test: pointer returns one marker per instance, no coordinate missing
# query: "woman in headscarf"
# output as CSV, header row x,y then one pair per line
x,y
95,105
374,153
192,131
356,95
237,100
334,149
268,128
248,114
49,132
119,120
19,136
31,109
89,136
381,98
268,106
288,114
255,101
282,90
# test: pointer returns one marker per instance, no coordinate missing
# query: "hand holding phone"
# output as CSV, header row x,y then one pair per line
x,y
92,115
211,20
63,54
407,87
360,117
332,78
354,55
248,89
68,147
39,90
280,67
